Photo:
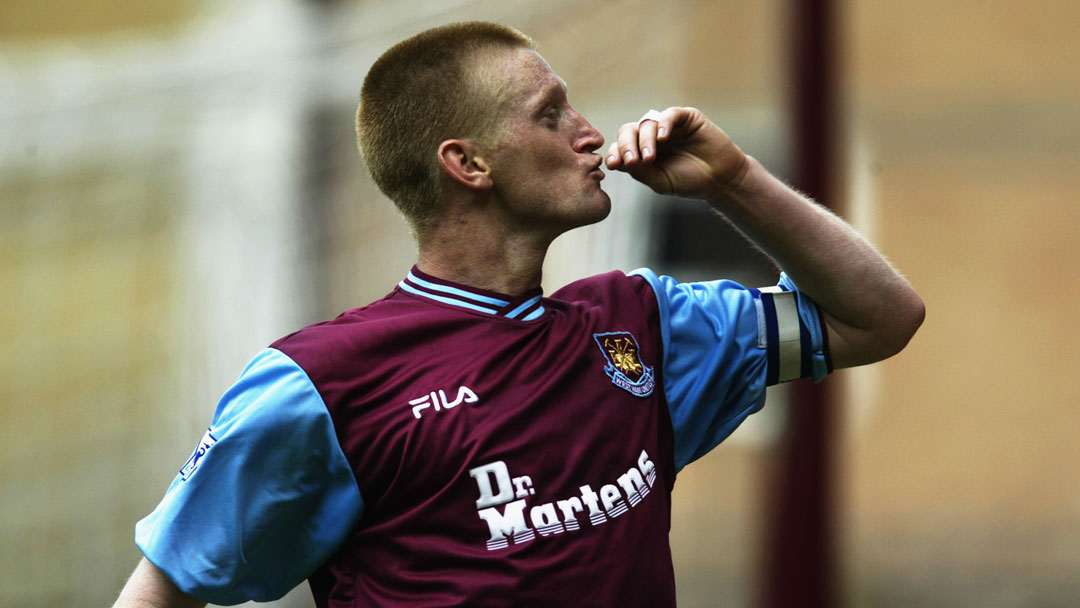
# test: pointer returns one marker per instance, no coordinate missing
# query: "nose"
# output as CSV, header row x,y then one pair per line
x,y
588,139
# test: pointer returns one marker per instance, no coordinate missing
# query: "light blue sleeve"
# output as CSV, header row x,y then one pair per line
x,y
723,345
265,499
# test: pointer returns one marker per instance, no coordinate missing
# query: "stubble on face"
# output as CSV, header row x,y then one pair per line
x,y
536,167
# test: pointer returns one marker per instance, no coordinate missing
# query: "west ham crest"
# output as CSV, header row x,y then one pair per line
x,y
624,365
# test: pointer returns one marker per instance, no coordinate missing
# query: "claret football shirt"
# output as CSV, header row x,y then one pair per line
x,y
452,446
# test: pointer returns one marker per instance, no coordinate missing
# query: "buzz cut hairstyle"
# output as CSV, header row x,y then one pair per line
x,y
421,92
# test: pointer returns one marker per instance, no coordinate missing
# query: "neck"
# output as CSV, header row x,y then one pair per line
x,y
484,257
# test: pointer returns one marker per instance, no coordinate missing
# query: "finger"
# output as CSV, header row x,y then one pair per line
x,y
664,121
647,140
613,160
677,120
651,175
629,153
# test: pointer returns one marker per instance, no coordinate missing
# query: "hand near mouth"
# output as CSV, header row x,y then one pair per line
x,y
678,151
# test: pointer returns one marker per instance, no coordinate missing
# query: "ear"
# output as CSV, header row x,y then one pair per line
x,y
461,159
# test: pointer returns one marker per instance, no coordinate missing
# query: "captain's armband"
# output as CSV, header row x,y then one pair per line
x,y
784,335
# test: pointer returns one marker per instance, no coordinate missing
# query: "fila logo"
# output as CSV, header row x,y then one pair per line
x,y
437,399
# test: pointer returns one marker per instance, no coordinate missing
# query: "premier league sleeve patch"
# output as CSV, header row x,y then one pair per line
x,y
192,463
624,365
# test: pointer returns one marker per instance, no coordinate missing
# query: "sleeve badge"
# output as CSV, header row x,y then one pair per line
x,y
192,463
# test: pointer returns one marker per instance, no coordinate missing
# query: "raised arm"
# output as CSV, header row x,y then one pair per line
x,y
148,587
871,312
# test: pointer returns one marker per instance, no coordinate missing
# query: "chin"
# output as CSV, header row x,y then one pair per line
x,y
605,209
599,210
595,204
584,212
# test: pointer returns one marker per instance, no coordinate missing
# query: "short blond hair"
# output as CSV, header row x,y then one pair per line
x,y
421,92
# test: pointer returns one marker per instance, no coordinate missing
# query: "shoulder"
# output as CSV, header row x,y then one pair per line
x,y
616,303
613,286
325,345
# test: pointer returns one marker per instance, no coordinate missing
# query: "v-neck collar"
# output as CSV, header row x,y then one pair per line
x,y
524,307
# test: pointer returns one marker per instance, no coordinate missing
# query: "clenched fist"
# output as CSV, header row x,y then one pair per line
x,y
678,151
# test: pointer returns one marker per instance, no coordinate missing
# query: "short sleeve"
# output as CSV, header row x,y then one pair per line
x,y
266,497
723,345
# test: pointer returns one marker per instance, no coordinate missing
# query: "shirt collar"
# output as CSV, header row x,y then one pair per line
x,y
524,307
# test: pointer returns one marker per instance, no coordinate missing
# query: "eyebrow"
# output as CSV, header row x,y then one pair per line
x,y
551,92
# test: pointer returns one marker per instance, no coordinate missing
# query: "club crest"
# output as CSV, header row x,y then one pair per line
x,y
624,365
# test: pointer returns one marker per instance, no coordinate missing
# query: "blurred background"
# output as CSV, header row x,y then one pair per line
x,y
179,187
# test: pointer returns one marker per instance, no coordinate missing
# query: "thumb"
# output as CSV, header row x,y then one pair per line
x,y
652,176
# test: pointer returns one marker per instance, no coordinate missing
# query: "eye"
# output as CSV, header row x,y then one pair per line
x,y
552,113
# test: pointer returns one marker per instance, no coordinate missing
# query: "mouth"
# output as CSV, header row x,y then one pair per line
x,y
595,171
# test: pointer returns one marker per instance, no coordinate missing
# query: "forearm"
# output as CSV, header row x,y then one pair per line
x,y
148,587
871,311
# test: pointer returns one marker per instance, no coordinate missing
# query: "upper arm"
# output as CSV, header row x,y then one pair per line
x,y
723,345
149,587
848,344
851,346
265,499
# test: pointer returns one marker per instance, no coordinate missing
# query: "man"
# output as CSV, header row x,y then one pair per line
x,y
467,441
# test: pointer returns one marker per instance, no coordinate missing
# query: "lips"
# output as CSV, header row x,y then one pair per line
x,y
595,170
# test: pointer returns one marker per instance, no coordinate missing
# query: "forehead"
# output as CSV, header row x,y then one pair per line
x,y
525,75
